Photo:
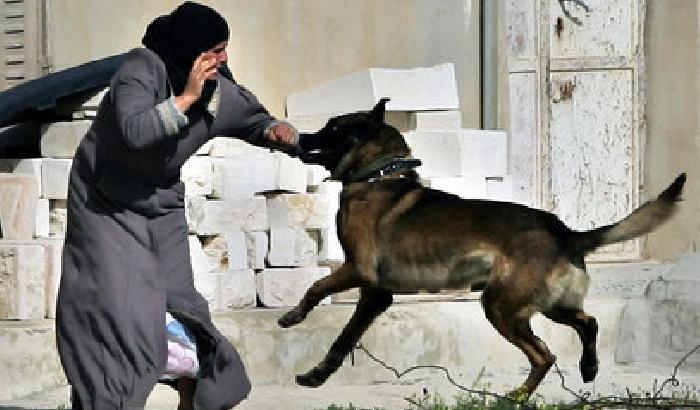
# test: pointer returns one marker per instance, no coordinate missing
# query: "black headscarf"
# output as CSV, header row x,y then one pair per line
x,y
180,37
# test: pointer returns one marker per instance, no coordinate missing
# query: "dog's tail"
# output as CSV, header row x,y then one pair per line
x,y
642,221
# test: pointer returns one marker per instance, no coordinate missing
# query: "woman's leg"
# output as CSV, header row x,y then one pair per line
x,y
185,388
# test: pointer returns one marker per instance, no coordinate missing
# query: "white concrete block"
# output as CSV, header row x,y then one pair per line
x,y
237,250
54,178
468,187
58,218
53,250
208,284
216,217
215,249
242,178
439,152
435,120
460,153
316,174
204,149
61,139
417,89
234,148
41,227
30,166
293,247
500,189
18,206
309,123
22,276
330,249
291,174
285,287
201,262
237,289
53,253
400,120
257,245
308,211
94,101
197,174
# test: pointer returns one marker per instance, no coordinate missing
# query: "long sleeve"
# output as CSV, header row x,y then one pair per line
x,y
245,117
143,117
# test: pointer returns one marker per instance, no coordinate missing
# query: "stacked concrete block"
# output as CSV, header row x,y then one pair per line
x,y
228,289
237,289
293,247
330,250
409,90
61,139
31,166
54,178
18,205
58,217
424,107
308,211
242,178
22,281
53,252
236,250
201,262
280,287
207,217
316,175
197,175
257,246
42,226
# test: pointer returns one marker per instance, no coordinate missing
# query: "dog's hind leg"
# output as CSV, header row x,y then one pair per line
x,y
514,324
373,301
344,278
587,328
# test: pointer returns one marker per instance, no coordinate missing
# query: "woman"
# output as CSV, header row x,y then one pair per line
x,y
126,257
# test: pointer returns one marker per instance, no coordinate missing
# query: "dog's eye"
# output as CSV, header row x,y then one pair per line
x,y
334,128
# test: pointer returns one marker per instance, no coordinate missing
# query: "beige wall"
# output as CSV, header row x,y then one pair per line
x,y
279,47
673,142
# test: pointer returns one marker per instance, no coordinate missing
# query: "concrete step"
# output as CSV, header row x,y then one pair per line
x,y
451,334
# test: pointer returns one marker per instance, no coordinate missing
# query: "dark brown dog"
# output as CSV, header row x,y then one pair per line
x,y
400,237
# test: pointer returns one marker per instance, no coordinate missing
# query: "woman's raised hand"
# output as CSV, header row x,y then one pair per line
x,y
204,67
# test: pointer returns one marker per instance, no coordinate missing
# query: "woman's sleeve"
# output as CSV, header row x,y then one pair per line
x,y
142,119
251,120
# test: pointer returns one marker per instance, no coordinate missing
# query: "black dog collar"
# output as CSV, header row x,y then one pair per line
x,y
381,167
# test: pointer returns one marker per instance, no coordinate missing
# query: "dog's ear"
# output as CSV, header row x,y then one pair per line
x,y
377,113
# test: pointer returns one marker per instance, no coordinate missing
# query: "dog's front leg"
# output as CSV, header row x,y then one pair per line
x,y
346,277
373,301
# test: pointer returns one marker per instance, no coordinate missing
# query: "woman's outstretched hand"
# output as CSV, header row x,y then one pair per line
x,y
204,67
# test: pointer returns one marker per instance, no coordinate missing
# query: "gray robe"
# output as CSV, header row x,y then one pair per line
x,y
126,258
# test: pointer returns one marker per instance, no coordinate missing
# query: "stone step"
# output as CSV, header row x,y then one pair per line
x,y
451,334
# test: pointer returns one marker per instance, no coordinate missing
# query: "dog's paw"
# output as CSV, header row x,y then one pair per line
x,y
310,379
589,368
290,319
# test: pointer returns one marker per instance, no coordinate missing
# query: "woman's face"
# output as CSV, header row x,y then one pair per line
x,y
218,53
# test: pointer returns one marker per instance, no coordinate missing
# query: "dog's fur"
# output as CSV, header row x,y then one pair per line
x,y
400,237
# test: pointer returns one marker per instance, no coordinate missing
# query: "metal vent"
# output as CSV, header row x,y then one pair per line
x,y
19,41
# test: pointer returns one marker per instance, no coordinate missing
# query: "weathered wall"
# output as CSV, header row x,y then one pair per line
x,y
673,141
280,47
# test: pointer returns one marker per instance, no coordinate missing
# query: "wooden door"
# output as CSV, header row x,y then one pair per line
x,y
577,108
